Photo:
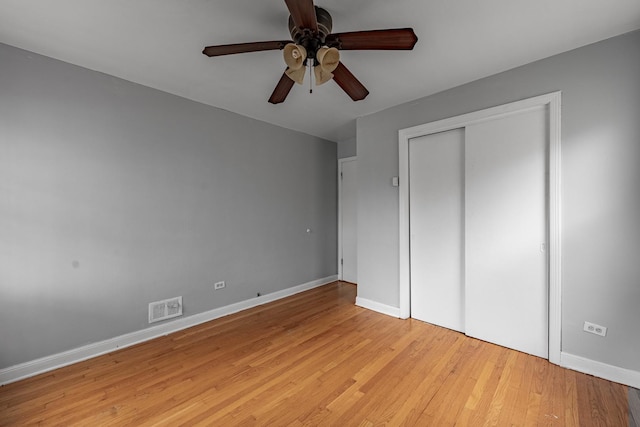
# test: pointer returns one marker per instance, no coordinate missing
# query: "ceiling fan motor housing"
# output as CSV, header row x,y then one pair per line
x,y
310,40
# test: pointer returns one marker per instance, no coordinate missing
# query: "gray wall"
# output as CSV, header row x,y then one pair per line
x,y
114,195
347,148
600,87
347,140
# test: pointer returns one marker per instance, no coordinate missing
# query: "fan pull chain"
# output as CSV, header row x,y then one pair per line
x,y
310,77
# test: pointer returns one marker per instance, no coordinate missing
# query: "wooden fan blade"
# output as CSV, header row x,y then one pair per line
x,y
303,14
349,83
282,90
392,39
230,49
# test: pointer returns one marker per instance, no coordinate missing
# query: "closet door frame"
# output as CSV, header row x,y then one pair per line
x,y
552,102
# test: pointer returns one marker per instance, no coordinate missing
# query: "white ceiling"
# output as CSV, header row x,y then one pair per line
x,y
158,43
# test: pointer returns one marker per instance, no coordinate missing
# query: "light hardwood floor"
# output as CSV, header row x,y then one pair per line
x,y
315,359
634,407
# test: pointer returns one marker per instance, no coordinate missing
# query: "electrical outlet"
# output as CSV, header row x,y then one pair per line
x,y
595,329
219,285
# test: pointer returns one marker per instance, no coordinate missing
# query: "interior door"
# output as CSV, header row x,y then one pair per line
x,y
348,221
436,217
506,274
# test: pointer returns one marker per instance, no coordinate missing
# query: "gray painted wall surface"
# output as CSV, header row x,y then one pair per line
x,y
600,86
347,148
114,195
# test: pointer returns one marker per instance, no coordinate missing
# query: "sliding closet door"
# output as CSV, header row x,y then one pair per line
x,y
436,170
506,288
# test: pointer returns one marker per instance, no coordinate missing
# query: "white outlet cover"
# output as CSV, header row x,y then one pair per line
x,y
595,329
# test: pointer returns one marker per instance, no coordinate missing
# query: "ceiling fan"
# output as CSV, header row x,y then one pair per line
x,y
315,46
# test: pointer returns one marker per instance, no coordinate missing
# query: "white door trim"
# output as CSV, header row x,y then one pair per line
x,y
553,102
340,162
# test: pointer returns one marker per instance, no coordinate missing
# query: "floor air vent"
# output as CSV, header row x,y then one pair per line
x,y
162,310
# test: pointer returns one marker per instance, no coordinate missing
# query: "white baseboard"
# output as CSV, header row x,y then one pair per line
x,y
601,370
49,363
379,307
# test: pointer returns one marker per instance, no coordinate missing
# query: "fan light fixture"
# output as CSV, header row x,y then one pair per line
x,y
328,59
310,50
325,61
295,57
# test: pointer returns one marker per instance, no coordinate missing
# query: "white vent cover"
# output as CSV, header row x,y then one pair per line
x,y
166,309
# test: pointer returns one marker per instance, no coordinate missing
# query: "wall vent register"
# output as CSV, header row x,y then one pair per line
x,y
166,309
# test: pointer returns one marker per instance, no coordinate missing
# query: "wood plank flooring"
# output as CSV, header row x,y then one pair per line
x,y
314,359
634,407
